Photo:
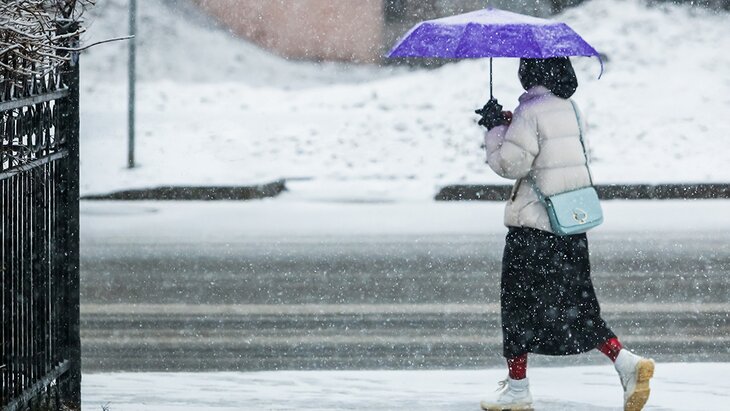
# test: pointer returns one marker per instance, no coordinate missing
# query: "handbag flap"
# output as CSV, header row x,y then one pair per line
x,y
576,208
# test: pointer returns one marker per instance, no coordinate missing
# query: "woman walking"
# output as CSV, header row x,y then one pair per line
x,y
548,302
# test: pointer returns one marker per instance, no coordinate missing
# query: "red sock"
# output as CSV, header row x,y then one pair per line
x,y
611,348
517,367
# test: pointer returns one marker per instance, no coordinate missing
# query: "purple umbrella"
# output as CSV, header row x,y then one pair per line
x,y
492,33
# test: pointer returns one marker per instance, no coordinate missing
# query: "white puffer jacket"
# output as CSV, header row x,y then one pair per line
x,y
543,139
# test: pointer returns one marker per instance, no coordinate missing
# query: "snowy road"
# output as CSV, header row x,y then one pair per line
x,y
287,284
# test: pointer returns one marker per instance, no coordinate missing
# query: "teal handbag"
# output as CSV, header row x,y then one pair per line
x,y
572,212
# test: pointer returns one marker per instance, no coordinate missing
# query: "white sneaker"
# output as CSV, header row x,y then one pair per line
x,y
512,395
635,373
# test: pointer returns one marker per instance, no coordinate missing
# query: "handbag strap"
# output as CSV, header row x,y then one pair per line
x,y
531,178
540,195
582,142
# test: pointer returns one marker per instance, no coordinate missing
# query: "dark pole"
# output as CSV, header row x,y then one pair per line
x,y
491,82
132,78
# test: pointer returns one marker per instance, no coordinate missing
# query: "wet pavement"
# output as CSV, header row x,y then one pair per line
x,y
342,300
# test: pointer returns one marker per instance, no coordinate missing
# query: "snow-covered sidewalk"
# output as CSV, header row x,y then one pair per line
x,y
152,222
676,386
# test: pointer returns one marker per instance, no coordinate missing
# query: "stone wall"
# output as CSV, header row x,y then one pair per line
x,y
713,4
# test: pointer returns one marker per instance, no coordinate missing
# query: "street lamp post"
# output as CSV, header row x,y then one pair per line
x,y
132,79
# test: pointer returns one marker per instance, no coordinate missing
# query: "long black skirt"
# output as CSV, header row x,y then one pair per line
x,y
548,302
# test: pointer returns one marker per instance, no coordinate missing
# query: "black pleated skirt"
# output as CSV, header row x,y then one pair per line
x,y
548,302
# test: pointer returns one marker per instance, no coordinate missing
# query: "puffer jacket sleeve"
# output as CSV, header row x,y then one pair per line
x,y
512,149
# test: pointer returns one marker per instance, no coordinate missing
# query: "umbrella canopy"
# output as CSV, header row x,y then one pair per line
x,y
491,33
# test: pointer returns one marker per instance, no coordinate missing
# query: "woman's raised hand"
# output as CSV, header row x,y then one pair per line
x,y
507,117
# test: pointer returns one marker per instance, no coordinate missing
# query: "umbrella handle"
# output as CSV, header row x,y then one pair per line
x,y
491,80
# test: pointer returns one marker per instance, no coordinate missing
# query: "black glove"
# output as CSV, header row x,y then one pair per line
x,y
491,114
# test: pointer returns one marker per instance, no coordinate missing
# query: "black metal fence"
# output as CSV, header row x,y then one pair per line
x,y
40,367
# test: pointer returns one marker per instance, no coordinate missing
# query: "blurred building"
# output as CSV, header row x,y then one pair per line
x,y
349,30
346,30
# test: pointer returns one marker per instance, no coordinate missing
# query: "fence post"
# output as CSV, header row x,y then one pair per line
x,y
70,382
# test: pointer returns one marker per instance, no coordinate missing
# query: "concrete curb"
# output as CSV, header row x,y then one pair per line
x,y
474,192
605,192
196,193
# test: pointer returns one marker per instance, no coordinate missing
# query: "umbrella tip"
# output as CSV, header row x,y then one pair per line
x,y
600,60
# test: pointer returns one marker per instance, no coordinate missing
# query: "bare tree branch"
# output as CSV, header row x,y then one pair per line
x,y
95,44
30,44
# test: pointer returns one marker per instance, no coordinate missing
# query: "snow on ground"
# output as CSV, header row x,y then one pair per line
x,y
179,43
214,110
151,222
686,387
